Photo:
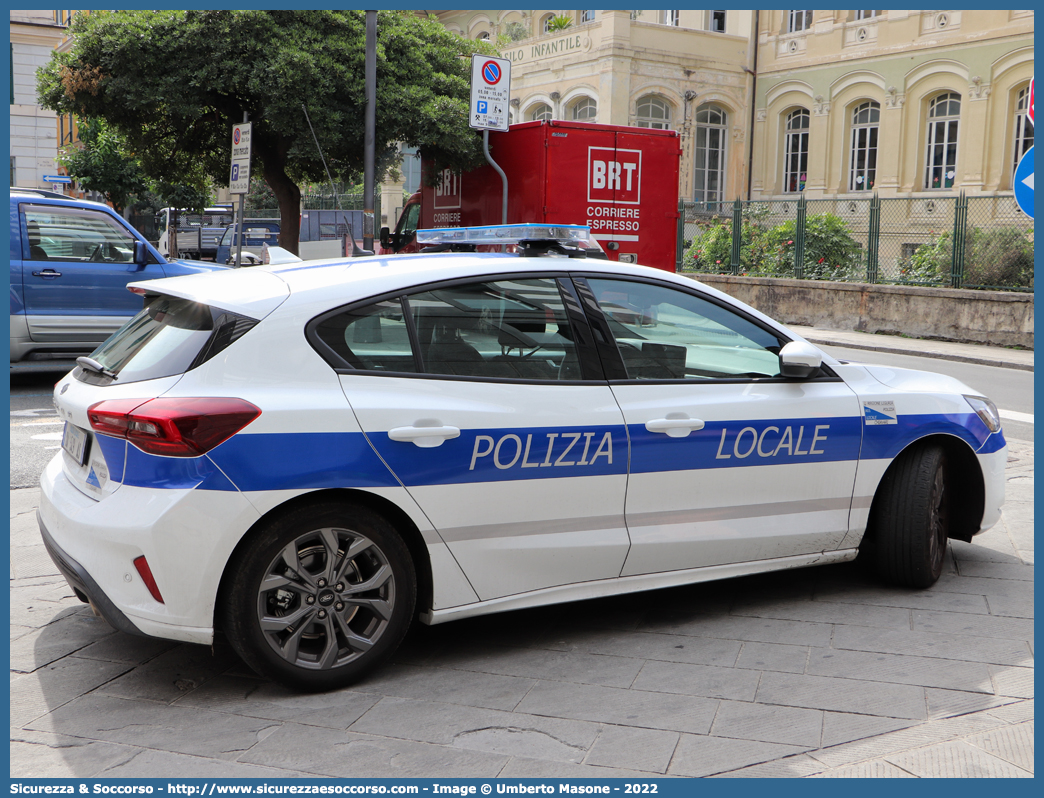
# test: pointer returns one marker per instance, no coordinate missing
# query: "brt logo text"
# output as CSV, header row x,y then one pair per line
x,y
614,175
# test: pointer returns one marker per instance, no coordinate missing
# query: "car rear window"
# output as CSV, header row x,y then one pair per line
x,y
169,336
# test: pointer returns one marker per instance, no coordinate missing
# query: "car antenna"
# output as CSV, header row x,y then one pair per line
x,y
356,251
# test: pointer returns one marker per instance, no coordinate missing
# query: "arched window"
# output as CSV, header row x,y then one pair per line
x,y
795,151
545,23
1023,128
798,21
483,37
538,112
944,114
862,166
585,16
709,154
654,112
671,18
585,108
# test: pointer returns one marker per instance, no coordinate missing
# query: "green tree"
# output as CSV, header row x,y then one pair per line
x,y
515,31
559,22
172,84
260,197
99,162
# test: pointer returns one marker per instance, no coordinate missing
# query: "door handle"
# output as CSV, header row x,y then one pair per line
x,y
676,425
47,274
424,437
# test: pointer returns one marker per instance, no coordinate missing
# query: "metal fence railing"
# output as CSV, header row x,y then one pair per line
x,y
959,242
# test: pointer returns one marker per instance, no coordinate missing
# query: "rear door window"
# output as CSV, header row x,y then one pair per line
x,y
514,329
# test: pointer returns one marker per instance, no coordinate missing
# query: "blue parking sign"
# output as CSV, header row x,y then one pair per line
x,y
1024,183
235,172
482,107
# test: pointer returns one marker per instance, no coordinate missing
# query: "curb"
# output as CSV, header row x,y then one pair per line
x,y
895,350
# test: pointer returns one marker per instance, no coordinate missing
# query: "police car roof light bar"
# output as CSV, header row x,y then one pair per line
x,y
505,234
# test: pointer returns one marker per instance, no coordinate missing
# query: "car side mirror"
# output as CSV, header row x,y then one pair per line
x,y
799,360
385,237
141,254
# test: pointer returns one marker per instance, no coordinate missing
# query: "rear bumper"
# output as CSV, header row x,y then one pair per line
x,y
86,589
186,535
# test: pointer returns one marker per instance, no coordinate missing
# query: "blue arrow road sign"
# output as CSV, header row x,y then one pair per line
x,y
1024,183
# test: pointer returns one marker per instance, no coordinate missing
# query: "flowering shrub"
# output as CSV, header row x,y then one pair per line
x,y
711,249
830,251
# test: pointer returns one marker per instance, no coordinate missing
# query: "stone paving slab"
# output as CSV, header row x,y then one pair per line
x,y
816,673
1013,744
956,760
646,750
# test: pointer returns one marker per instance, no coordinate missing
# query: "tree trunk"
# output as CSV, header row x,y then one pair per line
x,y
287,192
288,195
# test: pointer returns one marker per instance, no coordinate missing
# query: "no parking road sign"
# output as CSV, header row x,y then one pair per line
x,y
1024,183
239,176
490,93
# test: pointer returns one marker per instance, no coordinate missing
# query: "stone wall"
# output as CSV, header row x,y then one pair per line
x,y
1000,318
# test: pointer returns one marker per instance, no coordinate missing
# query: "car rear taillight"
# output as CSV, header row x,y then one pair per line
x,y
174,427
146,576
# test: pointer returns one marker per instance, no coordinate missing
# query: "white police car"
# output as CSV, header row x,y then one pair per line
x,y
308,456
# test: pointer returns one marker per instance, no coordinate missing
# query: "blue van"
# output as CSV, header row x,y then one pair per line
x,y
71,261
256,233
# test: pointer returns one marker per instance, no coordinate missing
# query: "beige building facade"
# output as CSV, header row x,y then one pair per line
x,y
34,130
687,70
904,103
772,104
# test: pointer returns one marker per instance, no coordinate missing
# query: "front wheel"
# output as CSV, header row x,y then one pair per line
x,y
910,518
320,596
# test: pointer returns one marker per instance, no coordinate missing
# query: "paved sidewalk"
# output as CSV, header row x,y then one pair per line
x,y
980,354
818,672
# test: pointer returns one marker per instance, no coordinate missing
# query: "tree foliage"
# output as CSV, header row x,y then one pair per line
x,y
172,83
100,163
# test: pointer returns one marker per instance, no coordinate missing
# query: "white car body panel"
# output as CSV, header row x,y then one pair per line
x,y
545,530
498,535
751,484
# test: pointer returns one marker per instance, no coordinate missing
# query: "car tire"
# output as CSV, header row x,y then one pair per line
x,y
910,518
319,596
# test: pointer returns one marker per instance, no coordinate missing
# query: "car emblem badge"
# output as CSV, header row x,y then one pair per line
x,y
326,598
64,388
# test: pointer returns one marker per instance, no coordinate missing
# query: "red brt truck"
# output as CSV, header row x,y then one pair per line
x,y
620,181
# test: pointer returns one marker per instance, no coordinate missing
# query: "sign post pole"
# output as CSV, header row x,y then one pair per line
x,y
490,99
239,179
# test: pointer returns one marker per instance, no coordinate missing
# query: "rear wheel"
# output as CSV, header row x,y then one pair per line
x,y
320,596
911,518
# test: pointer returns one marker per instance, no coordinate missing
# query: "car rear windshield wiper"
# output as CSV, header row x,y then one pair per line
x,y
94,365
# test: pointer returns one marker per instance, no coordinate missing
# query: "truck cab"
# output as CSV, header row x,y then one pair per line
x,y
620,181
197,234
256,233
404,239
